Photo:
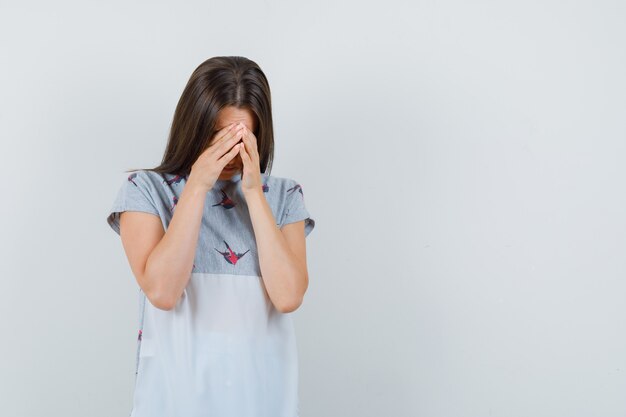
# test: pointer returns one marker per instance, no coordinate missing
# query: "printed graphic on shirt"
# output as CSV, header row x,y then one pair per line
x,y
132,177
296,187
227,202
174,202
230,256
176,180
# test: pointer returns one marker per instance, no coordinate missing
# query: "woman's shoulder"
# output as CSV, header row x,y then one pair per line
x,y
144,175
282,188
279,182
162,188
155,179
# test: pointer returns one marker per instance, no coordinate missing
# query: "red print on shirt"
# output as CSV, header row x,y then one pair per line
x,y
226,202
177,179
174,202
230,256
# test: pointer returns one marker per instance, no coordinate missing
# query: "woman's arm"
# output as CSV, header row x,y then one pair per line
x,y
282,254
162,261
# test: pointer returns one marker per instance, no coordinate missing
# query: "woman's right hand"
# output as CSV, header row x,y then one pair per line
x,y
209,165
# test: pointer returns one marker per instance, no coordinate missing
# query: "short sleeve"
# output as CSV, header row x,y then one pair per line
x,y
133,195
295,209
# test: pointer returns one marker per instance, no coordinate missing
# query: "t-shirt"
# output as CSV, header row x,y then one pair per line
x,y
224,349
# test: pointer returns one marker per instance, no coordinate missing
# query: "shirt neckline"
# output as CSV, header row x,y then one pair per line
x,y
232,180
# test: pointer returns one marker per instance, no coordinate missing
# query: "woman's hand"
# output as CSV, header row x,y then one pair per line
x,y
209,165
251,176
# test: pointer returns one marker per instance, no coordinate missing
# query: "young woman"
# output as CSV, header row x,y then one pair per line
x,y
217,246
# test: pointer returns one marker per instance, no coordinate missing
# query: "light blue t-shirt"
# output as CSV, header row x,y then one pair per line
x,y
223,350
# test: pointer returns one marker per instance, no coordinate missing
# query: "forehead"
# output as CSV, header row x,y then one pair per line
x,y
232,114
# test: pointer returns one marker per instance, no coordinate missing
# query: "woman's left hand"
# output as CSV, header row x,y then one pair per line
x,y
251,176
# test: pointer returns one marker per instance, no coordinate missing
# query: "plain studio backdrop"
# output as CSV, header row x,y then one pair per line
x,y
464,162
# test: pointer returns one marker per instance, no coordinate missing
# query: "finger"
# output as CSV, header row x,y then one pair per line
x,y
245,156
251,149
240,150
228,156
220,134
251,139
225,134
227,143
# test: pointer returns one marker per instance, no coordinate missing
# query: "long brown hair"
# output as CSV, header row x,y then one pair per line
x,y
218,82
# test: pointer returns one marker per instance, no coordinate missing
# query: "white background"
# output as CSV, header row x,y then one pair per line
x,y
464,162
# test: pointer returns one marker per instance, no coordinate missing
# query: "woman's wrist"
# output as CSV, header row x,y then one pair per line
x,y
196,186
